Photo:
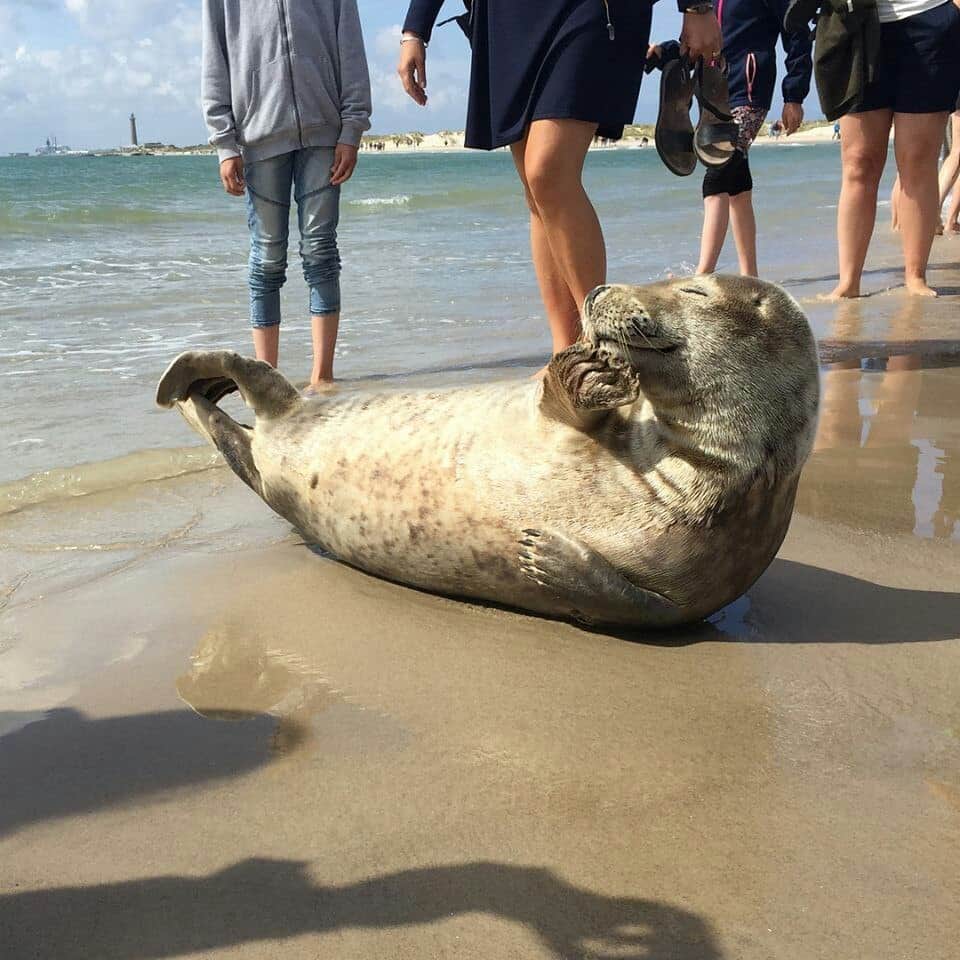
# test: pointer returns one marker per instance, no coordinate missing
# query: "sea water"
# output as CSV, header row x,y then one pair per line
x,y
110,267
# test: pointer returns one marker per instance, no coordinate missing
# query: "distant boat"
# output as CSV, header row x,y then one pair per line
x,y
53,149
18,156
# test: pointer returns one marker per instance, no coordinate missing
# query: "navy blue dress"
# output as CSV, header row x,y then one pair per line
x,y
548,59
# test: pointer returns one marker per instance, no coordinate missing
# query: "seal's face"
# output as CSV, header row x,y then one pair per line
x,y
737,351
699,333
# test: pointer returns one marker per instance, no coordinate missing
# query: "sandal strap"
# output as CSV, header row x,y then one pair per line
x,y
702,98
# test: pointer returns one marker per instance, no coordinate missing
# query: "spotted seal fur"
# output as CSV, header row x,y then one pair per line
x,y
648,480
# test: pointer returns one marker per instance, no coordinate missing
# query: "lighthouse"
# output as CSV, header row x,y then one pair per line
x,y
133,131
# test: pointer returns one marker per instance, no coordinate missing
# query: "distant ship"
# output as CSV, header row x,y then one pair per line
x,y
53,149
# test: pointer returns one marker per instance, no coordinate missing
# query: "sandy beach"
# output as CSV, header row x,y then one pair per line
x,y
216,741
451,141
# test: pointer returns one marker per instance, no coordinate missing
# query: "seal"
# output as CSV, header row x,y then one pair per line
x,y
648,480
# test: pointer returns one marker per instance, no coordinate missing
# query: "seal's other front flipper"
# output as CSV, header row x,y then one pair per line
x,y
213,375
595,591
583,384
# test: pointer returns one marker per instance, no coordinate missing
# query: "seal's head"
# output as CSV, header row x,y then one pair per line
x,y
736,350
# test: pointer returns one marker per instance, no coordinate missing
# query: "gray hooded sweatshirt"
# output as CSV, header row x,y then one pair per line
x,y
280,75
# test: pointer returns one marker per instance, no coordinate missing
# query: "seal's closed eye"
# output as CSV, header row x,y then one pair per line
x,y
696,290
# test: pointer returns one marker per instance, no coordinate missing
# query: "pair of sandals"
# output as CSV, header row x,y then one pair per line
x,y
714,141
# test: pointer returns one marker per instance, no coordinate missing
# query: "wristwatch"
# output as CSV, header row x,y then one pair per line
x,y
695,6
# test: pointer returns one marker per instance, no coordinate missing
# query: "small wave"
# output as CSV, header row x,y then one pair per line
x,y
85,479
400,200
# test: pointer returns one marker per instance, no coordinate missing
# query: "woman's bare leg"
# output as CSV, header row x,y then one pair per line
x,y
917,141
563,312
553,159
744,225
895,205
863,148
716,219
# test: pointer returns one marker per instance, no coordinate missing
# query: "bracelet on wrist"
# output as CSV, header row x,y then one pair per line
x,y
703,6
413,39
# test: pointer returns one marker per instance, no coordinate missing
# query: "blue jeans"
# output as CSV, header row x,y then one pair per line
x,y
269,184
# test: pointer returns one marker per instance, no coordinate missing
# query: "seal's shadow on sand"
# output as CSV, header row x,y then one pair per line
x,y
799,603
260,900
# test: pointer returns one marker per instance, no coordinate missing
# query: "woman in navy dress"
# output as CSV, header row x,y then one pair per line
x,y
547,76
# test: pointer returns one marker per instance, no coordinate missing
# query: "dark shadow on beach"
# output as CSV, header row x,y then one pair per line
x,y
68,764
799,603
271,900
792,603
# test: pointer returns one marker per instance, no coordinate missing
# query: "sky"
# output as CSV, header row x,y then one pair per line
x,y
76,69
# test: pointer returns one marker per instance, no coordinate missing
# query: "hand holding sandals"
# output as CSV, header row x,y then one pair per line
x,y
700,36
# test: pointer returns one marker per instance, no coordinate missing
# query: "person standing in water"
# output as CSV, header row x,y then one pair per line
x,y
915,86
750,32
547,76
286,98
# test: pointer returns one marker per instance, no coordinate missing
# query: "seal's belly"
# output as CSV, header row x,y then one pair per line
x,y
437,497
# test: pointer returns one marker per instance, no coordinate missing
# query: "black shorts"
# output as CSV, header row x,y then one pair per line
x,y
733,177
919,69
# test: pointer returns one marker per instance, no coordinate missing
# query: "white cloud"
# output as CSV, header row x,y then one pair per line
x,y
80,67
447,77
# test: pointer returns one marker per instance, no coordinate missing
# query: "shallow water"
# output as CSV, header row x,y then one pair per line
x,y
109,267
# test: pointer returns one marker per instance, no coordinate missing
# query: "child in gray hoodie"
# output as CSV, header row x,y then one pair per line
x,y
286,98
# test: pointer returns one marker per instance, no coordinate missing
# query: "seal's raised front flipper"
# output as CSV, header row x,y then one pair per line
x,y
214,375
594,590
583,384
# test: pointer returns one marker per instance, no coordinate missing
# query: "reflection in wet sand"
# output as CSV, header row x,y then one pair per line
x,y
238,671
887,454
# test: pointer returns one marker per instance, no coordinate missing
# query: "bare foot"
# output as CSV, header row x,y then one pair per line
x,y
319,387
953,227
939,230
841,293
919,288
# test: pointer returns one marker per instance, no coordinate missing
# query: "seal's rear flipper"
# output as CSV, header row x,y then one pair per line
x,y
214,375
232,439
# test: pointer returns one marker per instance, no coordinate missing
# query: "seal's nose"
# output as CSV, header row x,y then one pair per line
x,y
591,296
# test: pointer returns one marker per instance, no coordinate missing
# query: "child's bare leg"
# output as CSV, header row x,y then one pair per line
x,y
953,214
744,225
716,218
266,343
325,329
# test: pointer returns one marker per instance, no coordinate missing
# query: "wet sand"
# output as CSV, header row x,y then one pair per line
x,y
214,741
